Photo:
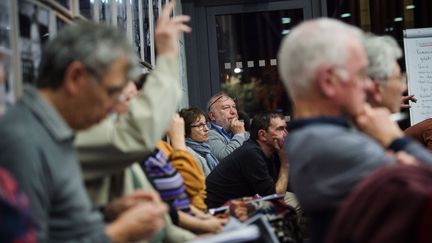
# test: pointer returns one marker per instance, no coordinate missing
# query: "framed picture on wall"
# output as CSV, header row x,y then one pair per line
x,y
136,35
7,94
86,9
146,30
121,15
64,3
105,11
34,22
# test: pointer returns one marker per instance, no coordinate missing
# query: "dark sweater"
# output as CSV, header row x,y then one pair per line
x,y
245,172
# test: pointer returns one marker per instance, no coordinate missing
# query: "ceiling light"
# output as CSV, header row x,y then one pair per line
x,y
284,32
345,15
398,19
409,6
286,20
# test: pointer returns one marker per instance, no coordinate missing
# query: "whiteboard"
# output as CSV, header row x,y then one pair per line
x,y
418,59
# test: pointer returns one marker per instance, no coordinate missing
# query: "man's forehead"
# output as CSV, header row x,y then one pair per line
x,y
277,121
225,100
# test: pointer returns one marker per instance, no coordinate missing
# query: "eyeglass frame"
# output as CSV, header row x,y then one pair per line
x,y
200,126
114,92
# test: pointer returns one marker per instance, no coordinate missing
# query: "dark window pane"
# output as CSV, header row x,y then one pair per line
x,y
247,51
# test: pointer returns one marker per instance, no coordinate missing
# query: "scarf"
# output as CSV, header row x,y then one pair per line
x,y
203,149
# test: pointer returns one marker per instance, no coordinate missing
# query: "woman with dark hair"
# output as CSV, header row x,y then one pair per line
x,y
196,132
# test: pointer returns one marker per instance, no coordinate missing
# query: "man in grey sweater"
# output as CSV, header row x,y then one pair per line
x,y
324,67
83,70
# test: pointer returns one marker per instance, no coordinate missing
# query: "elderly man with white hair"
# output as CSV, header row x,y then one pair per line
x,y
384,71
323,65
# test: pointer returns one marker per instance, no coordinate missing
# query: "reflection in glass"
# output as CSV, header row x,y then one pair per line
x,y
155,11
64,3
4,24
105,12
146,31
135,27
33,27
247,49
121,15
60,23
86,8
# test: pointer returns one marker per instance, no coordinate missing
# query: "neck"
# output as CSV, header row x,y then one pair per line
x,y
267,150
57,99
314,108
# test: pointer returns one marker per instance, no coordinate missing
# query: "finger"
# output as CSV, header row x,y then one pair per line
x,y
185,28
166,11
180,19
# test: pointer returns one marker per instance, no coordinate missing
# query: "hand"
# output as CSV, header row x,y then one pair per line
x,y
213,224
168,30
406,159
237,126
377,124
116,207
405,99
176,132
142,221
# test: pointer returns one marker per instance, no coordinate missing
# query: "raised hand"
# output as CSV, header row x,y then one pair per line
x,y
168,31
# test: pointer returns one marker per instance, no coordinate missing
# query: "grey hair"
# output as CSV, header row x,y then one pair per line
x,y
96,46
310,45
382,52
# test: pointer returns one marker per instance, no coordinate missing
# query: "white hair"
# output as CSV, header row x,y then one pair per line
x,y
382,52
310,45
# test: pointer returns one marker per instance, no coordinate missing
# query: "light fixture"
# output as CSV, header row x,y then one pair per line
x,y
409,7
398,19
286,20
284,32
237,70
345,15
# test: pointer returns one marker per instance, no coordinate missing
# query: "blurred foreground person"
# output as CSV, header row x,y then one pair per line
x,y
324,67
82,72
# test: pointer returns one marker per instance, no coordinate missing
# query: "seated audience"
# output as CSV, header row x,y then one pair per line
x,y
161,171
259,166
323,65
196,132
79,82
185,163
226,131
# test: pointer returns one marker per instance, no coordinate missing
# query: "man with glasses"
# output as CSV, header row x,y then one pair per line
x,y
384,71
227,132
82,72
323,65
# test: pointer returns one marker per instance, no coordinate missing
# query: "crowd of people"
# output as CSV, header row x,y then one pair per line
x,y
89,156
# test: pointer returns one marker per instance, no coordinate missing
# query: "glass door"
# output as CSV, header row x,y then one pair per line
x,y
243,42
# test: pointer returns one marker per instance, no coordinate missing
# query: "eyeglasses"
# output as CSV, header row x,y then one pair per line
x,y
400,78
113,92
200,126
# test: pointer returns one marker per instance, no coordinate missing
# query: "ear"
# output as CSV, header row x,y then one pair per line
x,y
327,81
375,92
211,116
262,135
74,78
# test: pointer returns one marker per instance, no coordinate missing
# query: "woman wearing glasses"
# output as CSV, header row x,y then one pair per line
x,y
196,131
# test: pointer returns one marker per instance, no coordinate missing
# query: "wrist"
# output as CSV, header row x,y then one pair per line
x,y
116,232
